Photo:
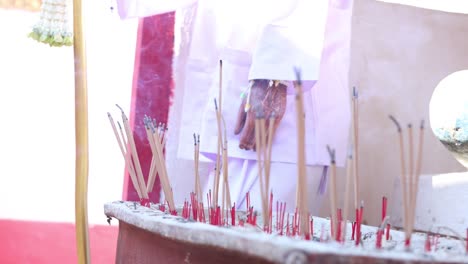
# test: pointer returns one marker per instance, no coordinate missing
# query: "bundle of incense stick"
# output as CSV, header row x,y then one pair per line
x,y
263,145
130,154
409,179
157,140
301,195
332,192
160,129
197,186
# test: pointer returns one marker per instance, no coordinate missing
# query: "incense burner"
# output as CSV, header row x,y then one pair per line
x,y
148,235
448,111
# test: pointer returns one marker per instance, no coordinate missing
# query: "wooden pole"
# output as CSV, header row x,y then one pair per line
x,y
81,137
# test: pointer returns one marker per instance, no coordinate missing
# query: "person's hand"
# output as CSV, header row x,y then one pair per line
x,y
270,101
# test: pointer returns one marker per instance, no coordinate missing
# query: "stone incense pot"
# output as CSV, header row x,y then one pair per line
x,y
448,112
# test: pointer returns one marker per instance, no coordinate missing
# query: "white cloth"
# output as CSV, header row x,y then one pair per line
x,y
243,178
261,39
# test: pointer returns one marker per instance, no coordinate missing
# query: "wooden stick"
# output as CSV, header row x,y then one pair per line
x,y
133,151
130,169
301,165
356,146
402,176
332,190
349,174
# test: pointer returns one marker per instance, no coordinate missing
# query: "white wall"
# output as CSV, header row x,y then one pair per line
x,y
37,108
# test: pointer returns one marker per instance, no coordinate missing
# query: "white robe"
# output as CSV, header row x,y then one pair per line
x,y
264,40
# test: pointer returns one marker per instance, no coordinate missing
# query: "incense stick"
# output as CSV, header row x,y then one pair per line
x,y
349,174
197,187
134,155
268,150
417,174
155,166
259,149
165,183
410,178
220,91
332,190
225,166
218,157
218,109
402,176
355,133
130,169
301,175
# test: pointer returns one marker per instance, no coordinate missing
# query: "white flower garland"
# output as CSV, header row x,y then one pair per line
x,y
53,26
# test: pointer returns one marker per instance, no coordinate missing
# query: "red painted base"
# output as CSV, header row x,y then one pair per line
x,y
46,242
140,246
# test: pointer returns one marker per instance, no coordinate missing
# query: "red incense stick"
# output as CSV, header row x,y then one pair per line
x,y
378,241
466,241
387,233
233,215
311,226
338,225
353,230
384,207
427,244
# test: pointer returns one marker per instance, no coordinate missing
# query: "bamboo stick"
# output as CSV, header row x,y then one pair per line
x,y
81,136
